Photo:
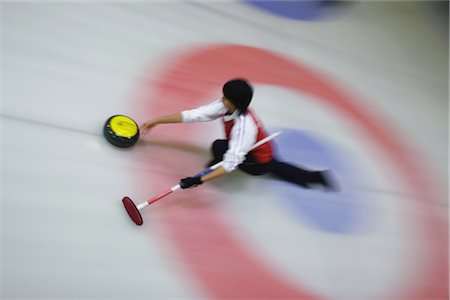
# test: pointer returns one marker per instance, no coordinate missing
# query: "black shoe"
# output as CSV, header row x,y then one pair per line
x,y
325,179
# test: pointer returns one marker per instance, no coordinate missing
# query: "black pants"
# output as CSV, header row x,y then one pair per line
x,y
279,169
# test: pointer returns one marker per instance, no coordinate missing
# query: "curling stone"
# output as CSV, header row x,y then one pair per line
x,y
121,131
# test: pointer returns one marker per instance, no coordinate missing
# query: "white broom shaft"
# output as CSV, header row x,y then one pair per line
x,y
266,139
176,187
256,145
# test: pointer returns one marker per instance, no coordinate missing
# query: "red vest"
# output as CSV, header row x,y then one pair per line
x,y
263,153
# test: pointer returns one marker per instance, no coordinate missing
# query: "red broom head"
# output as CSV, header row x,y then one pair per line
x,y
132,211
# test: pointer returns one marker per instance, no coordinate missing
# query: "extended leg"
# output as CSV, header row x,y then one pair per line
x,y
302,177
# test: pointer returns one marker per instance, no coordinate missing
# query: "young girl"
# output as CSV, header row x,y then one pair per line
x,y
242,130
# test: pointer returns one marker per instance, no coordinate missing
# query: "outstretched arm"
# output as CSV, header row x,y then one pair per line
x,y
204,113
149,125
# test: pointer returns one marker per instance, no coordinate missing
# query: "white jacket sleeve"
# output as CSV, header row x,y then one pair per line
x,y
204,113
243,136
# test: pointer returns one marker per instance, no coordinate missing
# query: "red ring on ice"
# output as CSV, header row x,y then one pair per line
x,y
216,258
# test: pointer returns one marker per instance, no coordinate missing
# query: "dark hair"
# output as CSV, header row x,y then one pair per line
x,y
239,92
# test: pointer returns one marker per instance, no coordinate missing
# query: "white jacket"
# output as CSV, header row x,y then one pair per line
x,y
243,134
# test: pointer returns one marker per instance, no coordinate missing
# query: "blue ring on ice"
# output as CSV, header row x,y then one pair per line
x,y
296,10
337,212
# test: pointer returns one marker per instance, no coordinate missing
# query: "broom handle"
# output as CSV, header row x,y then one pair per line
x,y
204,172
256,145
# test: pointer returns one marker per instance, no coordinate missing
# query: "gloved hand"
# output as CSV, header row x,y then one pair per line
x,y
189,182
